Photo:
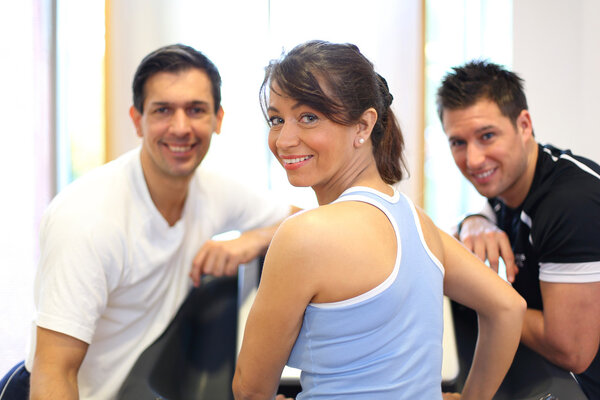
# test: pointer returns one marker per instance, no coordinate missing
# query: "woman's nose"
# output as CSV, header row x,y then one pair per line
x,y
288,136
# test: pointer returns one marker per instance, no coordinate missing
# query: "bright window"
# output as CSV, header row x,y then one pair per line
x,y
25,164
363,26
79,88
69,97
457,31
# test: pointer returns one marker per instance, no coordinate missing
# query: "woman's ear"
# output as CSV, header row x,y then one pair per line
x,y
365,125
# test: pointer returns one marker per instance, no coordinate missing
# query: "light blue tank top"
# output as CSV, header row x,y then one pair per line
x,y
385,343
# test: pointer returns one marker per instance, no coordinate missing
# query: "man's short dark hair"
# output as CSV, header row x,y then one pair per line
x,y
476,80
174,58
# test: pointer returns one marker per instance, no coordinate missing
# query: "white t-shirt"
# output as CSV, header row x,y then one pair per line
x,y
113,274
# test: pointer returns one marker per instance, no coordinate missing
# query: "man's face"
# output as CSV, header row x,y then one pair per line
x,y
177,123
489,150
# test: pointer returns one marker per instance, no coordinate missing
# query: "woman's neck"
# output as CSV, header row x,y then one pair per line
x,y
367,176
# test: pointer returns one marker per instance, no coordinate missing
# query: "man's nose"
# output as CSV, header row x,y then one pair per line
x,y
180,123
475,157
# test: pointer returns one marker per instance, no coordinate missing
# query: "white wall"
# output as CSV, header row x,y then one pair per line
x,y
25,164
134,28
557,52
241,37
392,40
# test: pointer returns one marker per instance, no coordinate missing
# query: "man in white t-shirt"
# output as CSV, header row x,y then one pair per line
x,y
119,245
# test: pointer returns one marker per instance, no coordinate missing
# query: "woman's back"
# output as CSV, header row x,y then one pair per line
x,y
332,128
384,342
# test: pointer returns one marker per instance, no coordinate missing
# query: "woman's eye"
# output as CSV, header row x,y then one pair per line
x,y
274,121
308,118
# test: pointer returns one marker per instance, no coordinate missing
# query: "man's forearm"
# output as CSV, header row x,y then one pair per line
x,y
533,331
56,365
261,237
53,386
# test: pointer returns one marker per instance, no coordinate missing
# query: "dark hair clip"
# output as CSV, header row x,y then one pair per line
x,y
385,91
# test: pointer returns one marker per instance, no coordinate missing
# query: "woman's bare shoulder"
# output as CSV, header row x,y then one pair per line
x,y
431,235
325,231
301,251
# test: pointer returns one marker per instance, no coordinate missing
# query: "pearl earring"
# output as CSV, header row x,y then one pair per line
x,y
361,140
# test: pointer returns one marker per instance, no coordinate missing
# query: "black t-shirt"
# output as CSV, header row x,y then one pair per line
x,y
558,223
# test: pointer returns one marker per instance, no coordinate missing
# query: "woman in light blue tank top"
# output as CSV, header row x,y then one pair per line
x,y
351,291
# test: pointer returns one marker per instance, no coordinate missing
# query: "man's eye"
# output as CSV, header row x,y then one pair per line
x,y
274,121
456,143
487,136
196,110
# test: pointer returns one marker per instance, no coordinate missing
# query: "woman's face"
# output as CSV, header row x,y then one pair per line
x,y
314,150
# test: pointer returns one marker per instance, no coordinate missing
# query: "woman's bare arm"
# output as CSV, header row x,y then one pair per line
x,y
499,307
276,316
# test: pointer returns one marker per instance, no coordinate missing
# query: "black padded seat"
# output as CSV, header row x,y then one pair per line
x,y
195,357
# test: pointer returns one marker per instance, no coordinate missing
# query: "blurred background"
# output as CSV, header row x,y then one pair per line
x,y
67,67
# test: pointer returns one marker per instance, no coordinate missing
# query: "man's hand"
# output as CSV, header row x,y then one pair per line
x,y
489,242
222,257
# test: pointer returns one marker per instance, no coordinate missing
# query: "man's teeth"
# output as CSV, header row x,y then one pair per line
x,y
179,149
295,160
484,174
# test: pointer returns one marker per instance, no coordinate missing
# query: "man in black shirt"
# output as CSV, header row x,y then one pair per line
x,y
542,216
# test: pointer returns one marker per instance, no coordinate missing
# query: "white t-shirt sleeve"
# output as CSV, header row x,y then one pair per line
x,y
583,272
243,207
71,287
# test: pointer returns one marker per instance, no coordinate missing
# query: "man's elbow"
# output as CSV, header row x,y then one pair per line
x,y
572,355
576,362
